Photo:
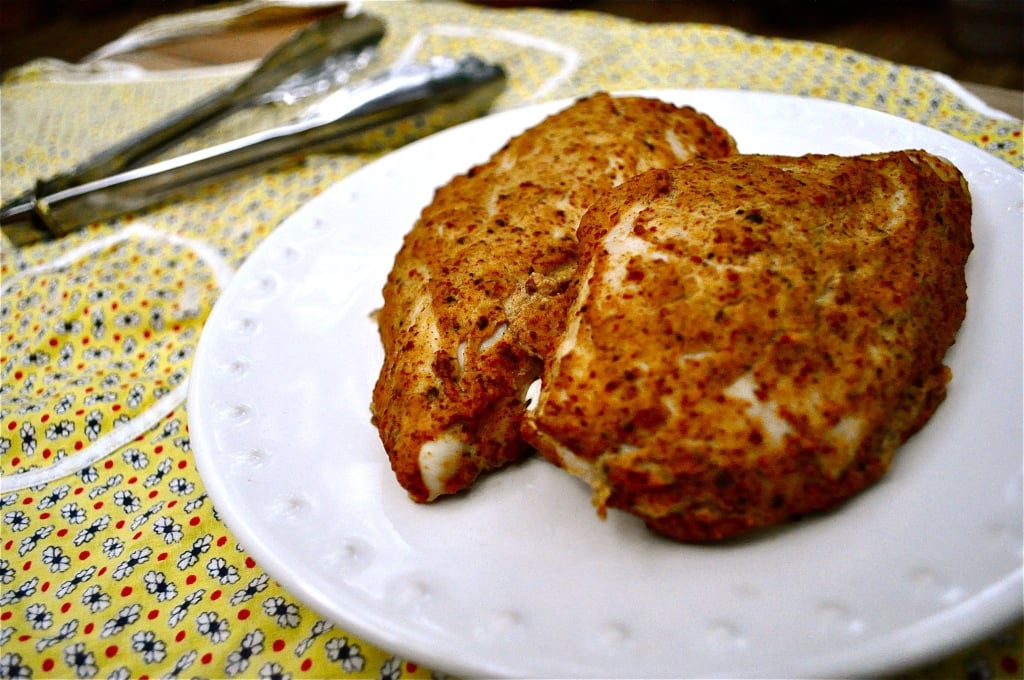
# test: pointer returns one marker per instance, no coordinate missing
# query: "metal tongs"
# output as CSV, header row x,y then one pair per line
x,y
114,182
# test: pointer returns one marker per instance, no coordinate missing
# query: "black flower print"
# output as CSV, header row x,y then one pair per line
x,y
55,558
181,486
6,572
127,501
273,671
29,301
180,611
146,516
36,359
168,529
106,486
78,579
81,661
112,547
16,520
181,354
157,318
125,617
11,666
56,496
135,558
170,429
32,540
136,458
181,665
27,387
213,627
191,556
158,585
197,503
52,378
88,533
238,660
127,319
162,468
122,673
318,629
163,294
99,295
135,395
286,614
219,569
89,474
66,632
68,327
98,324
28,439
73,513
392,669
348,654
91,355
95,599
93,425
107,397
146,643
33,408
18,594
60,430
38,616
255,586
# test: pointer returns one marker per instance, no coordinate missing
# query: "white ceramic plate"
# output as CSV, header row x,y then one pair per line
x,y
518,576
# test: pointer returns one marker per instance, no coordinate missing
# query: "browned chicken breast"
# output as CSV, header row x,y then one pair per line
x,y
475,295
752,337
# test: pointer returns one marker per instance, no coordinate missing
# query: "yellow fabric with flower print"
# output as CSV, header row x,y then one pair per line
x,y
114,562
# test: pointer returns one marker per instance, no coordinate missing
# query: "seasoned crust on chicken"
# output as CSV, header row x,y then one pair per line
x,y
475,295
752,337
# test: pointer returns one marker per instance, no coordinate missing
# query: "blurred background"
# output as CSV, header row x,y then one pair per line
x,y
976,41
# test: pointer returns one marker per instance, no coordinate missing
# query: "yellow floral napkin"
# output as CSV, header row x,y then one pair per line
x,y
114,562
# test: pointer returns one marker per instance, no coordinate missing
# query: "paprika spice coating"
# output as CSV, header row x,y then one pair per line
x,y
475,297
751,338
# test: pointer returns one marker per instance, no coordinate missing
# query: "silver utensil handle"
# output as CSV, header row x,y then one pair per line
x,y
469,84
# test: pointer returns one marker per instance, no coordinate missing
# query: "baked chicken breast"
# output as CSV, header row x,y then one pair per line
x,y
751,338
476,293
